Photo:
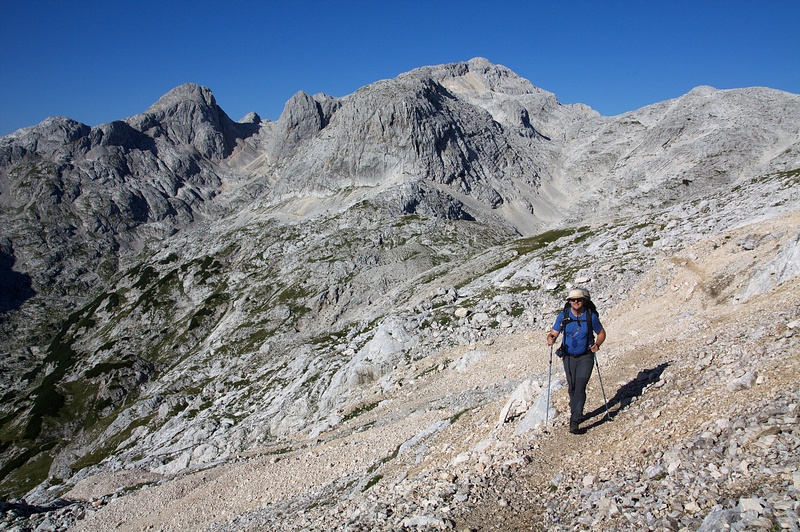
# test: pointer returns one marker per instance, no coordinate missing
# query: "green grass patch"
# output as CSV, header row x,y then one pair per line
x,y
172,257
149,274
407,219
388,458
25,470
112,301
107,367
110,445
48,400
516,310
197,319
28,475
15,463
209,308
205,267
279,451
81,406
457,416
108,346
363,409
535,243
374,480
292,294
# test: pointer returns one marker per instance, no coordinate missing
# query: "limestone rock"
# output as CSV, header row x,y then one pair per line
x,y
180,289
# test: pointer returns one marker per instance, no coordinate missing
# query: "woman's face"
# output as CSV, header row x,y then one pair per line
x,y
577,304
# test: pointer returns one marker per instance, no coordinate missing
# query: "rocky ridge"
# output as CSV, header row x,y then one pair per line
x,y
412,280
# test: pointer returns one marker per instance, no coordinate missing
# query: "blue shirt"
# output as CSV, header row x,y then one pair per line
x,y
576,337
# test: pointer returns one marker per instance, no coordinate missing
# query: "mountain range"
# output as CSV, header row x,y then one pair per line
x,y
178,288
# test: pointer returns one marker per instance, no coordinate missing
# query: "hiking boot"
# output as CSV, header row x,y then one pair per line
x,y
573,426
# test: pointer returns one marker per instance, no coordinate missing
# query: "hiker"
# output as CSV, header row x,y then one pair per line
x,y
578,346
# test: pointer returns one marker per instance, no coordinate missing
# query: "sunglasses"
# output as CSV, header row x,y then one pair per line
x,y
574,300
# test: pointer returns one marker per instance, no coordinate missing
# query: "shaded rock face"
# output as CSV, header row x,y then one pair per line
x,y
177,277
189,115
302,118
111,186
15,287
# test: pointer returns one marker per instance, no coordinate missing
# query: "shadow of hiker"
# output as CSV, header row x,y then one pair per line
x,y
625,395
20,508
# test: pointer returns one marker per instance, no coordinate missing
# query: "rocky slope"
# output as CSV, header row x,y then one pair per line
x,y
323,316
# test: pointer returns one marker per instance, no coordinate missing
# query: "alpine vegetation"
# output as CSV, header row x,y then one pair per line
x,y
338,319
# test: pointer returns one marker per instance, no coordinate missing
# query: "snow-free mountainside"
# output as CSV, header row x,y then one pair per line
x,y
336,320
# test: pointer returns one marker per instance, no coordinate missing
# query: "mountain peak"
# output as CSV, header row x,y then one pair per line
x,y
478,75
188,92
189,115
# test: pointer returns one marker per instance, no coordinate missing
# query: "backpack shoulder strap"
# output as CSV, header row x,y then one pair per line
x,y
590,309
564,317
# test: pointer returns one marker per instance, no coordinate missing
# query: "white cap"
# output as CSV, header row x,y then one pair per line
x,y
578,293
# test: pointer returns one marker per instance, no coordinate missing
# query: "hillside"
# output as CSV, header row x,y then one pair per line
x,y
683,438
316,322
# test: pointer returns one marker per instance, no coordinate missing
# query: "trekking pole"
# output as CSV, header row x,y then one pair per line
x,y
596,363
547,406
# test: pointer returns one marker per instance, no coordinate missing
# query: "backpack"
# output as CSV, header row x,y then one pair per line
x,y
590,309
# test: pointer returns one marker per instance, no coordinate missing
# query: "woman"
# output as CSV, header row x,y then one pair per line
x,y
579,323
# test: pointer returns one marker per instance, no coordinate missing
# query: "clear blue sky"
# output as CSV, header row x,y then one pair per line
x,y
98,61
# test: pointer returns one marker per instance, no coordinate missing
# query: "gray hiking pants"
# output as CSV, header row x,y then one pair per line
x,y
578,370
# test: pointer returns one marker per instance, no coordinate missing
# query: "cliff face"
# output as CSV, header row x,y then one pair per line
x,y
179,288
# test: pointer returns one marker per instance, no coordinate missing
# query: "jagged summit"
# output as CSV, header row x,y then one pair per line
x,y
250,118
180,95
478,75
189,115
